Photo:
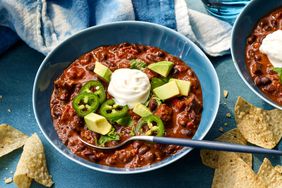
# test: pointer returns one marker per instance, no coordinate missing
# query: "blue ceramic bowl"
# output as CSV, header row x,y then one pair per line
x,y
243,27
115,33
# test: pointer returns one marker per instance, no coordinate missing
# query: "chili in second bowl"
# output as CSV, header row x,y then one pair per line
x,y
266,76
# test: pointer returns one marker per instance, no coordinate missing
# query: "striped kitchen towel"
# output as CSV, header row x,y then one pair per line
x,y
43,24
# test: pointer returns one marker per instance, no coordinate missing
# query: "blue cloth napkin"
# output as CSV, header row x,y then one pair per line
x,y
44,24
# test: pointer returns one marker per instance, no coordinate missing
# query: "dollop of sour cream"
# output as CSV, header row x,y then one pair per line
x,y
129,87
272,47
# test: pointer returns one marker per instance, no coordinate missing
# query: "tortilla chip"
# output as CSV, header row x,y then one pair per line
x,y
210,157
233,172
258,126
269,175
278,168
10,139
32,164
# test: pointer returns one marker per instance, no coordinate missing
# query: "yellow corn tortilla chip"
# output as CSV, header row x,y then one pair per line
x,y
210,157
278,168
233,172
269,175
32,165
258,126
10,139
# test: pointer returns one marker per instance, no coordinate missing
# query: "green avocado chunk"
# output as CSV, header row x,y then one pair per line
x,y
183,86
103,71
97,123
141,110
163,67
167,90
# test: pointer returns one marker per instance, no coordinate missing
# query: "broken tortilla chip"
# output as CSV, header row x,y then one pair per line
x,y
269,175
278,168
10,139
259,127
210,157
32,165
233,172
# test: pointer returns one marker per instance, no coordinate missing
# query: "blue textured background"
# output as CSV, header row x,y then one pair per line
x,y
18,67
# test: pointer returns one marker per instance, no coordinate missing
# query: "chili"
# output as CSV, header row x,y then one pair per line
x,y
265,76
177,114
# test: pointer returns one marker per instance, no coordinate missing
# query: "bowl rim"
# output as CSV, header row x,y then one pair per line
x,y
260,95
184,151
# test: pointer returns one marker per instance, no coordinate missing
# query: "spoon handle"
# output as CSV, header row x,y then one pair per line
x,y
214,145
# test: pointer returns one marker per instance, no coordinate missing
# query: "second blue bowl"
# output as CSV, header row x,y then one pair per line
x,y
242,29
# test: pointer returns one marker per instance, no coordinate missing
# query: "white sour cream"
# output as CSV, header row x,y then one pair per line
x,y
272,47
129,87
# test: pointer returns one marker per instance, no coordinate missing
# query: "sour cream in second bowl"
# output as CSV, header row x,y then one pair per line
x,y
129,87
272,47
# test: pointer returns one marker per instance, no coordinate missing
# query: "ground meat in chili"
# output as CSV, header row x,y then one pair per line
x,y
181,115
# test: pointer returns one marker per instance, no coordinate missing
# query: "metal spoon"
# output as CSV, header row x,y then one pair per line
x,y
203,144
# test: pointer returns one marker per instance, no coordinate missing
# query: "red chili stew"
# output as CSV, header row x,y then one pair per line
x,y
258,64
180,115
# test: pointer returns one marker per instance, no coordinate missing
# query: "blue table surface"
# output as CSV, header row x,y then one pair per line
x,y
18,67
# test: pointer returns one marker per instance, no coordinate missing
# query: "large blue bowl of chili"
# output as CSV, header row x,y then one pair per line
x,y
116,34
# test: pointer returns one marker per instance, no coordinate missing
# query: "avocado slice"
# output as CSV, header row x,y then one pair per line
x,y
183,86
163,67
141,110
97,123
103,71
167,90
